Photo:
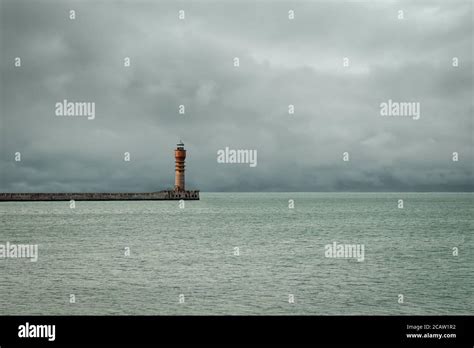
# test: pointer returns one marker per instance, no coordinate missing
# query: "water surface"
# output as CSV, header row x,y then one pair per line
x,y
191,251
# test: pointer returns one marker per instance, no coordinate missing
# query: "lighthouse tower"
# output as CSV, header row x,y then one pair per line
x,y
179,156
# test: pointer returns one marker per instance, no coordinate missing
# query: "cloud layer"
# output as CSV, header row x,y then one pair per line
x,y
282,62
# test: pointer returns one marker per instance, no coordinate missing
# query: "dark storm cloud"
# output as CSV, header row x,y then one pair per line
x,y
282,62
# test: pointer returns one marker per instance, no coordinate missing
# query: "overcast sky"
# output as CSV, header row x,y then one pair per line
x,y
282,62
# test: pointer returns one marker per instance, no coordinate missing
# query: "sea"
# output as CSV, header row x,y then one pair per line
x,y
242,254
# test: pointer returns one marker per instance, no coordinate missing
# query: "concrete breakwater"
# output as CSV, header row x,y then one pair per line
x,y
114,196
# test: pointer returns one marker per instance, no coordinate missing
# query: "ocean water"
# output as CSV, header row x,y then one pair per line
x,y
192,251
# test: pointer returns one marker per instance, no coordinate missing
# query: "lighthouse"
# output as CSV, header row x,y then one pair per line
x,y
178,193
179,156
